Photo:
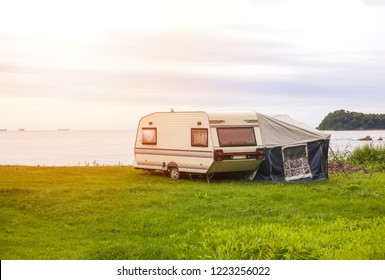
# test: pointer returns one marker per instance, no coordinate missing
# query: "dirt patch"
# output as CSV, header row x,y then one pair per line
x,y
338,167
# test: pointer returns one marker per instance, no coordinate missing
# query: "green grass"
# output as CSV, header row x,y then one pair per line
x,y
121,213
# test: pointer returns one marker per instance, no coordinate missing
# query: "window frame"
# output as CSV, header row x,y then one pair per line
x,y
156,136
221,144
192,137
305,165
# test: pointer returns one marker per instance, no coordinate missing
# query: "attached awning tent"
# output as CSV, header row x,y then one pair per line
x,y
293,151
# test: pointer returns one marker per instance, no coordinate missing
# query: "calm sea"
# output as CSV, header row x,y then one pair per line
x,y
66,148
73,148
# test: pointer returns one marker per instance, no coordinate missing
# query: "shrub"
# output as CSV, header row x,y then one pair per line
x,y
370,156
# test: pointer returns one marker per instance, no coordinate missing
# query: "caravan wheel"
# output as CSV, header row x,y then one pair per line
x,y
174,173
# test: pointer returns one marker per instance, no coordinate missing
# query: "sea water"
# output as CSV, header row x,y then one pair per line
x,y
88,148
349,140
67,148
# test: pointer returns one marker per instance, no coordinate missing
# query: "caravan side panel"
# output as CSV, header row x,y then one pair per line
x,y
174,138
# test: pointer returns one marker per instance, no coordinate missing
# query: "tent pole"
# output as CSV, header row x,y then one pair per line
x,y
339,162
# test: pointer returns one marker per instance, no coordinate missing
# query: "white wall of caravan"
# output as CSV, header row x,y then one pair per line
x,y
174,129
174,142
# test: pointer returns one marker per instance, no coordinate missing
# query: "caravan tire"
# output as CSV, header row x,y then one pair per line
x,y
174,173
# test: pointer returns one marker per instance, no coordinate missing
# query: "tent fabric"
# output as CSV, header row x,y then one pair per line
x,y
272,168
307,159
284,131
318,159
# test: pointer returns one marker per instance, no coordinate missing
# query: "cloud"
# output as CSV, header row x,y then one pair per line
x,y
203,46
272,56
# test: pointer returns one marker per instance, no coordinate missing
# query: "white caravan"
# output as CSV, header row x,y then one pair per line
x,y
199,143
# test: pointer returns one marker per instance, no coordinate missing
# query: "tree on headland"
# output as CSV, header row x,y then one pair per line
x,y
346,120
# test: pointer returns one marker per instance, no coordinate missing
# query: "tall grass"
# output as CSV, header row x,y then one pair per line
x,y
122,213
370,156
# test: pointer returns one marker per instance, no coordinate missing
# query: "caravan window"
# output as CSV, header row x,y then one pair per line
x,y
296,162
199,137
239,136
149,136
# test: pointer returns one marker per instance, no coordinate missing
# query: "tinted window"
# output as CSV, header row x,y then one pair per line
x,y
149,136
199,137
231,137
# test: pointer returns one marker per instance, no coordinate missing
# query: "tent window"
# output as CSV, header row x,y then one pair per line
x,y
199,137
149,136
296,163
239,136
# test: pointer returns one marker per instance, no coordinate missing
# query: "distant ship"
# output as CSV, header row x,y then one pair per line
x,y
63,129
3,129
21,129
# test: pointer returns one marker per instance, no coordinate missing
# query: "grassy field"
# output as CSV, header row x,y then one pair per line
x,y
121,213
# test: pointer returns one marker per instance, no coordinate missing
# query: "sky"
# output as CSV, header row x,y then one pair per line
x,y
102,64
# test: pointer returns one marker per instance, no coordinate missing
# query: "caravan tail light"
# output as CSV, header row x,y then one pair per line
x,y
218,155
260,154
